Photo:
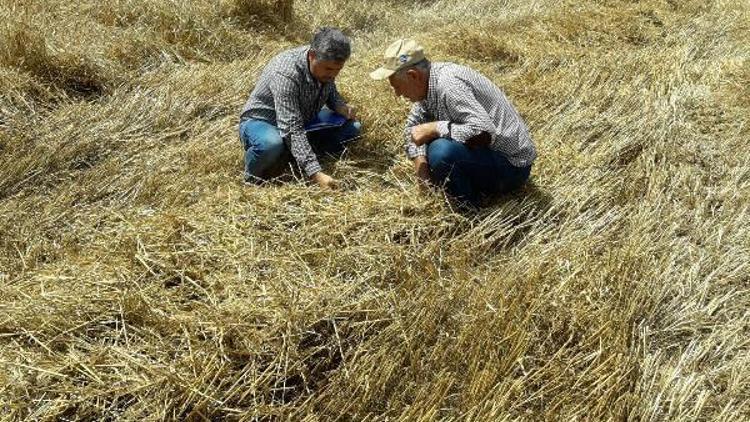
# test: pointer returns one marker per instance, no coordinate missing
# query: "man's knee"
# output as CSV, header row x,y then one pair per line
x,y
273,147
267,145
442,152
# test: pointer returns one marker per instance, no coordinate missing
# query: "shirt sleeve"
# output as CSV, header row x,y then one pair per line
x,y
417,116
335,101
468,117
290,123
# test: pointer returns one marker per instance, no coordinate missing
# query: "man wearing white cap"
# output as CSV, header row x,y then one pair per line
x,y
462,132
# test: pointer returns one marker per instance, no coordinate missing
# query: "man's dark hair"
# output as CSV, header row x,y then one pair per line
x,y
331,44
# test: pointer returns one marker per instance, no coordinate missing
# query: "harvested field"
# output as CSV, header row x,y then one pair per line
x,y
141,280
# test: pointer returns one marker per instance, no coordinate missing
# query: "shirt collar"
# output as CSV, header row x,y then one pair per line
x,y
305,63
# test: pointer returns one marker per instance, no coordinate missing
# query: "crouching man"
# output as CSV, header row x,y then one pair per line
x,y
290,93
461,133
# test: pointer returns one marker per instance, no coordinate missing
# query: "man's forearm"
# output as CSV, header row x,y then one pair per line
x,y
303,154
424,133
346,110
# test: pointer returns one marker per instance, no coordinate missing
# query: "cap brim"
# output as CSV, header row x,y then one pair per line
x,y
381,73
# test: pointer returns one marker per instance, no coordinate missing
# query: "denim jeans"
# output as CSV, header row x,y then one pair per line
x,y
467,173
266,152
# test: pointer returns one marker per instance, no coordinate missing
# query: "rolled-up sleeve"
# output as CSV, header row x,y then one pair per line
x,y
290,123
417,116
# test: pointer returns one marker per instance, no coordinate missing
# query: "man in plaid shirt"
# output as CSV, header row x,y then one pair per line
x,y
462,132
290,93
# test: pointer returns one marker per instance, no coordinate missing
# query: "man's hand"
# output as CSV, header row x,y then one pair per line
x,y
424,133
324,181
422,169
348,111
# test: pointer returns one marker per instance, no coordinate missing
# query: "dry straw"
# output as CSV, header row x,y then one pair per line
x,y
140,279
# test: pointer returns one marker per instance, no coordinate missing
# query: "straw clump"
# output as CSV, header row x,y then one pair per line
x,y
140,279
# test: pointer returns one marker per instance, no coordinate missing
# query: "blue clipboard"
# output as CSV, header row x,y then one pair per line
x,y
326,119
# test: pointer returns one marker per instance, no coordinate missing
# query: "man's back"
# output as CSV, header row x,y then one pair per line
x,y
460,94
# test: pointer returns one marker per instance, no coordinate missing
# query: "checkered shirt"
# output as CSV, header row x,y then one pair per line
x,y
288,96
464,103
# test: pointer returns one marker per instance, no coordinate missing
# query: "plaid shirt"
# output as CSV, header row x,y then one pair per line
x,y
288,96
464,103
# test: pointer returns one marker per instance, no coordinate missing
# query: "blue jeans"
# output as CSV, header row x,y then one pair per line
x,y
265,150
467,173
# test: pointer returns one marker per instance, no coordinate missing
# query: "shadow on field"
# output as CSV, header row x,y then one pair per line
x,y
530,193
505,220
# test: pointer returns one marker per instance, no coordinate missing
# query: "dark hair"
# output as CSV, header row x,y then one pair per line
x,y
331,44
